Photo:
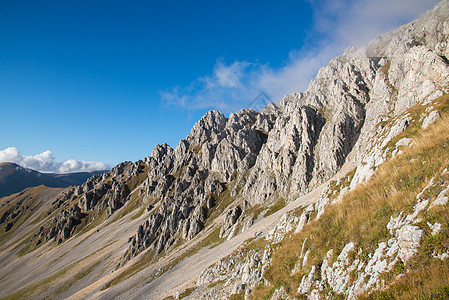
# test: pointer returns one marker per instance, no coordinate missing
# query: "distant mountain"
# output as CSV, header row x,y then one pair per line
x,y
14,178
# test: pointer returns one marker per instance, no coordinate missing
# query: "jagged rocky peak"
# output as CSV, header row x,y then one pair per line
x,y
315,131
160,151
212,123
413,69
187,180
224,145
287,149
345,80
358,103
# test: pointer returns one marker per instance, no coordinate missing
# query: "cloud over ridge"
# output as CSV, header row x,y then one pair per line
x,y
337,24
46,162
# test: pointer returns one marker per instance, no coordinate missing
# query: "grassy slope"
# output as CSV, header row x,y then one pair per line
x,y
29,198
361,217
24,205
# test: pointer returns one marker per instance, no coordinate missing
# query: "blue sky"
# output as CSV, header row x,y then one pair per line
x,y
88,84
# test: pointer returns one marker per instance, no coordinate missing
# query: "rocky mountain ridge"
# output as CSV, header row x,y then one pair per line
x,y
307,137
231,173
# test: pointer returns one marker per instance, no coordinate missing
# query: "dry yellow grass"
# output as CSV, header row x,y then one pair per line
x,y
363,214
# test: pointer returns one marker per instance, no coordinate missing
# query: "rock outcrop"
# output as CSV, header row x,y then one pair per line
x,y
104,192
188,182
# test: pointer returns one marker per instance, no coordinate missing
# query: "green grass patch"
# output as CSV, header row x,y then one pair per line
x,y
415,113
222,201
92,220
239,296
263,292
216,284
256,244
129,207
137,180
83,273
17,202
195,148
212,239
278,205
28,246
40,218
186,293
138,214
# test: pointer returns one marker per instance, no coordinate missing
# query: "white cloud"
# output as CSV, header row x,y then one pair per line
x,y
228,76
45,162
338,24
71,165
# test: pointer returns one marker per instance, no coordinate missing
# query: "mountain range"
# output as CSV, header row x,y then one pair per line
x,y
14,178
339,191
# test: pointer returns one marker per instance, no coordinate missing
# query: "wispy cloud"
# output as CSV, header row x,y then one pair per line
x,y
356,22
338,24
46,162
234,86
227,86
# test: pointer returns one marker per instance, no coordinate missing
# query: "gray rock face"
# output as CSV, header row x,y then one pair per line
x,y
231,219
64,222
240,272
430,119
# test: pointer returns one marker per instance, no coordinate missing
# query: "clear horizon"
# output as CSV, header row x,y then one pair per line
x,y
88,85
